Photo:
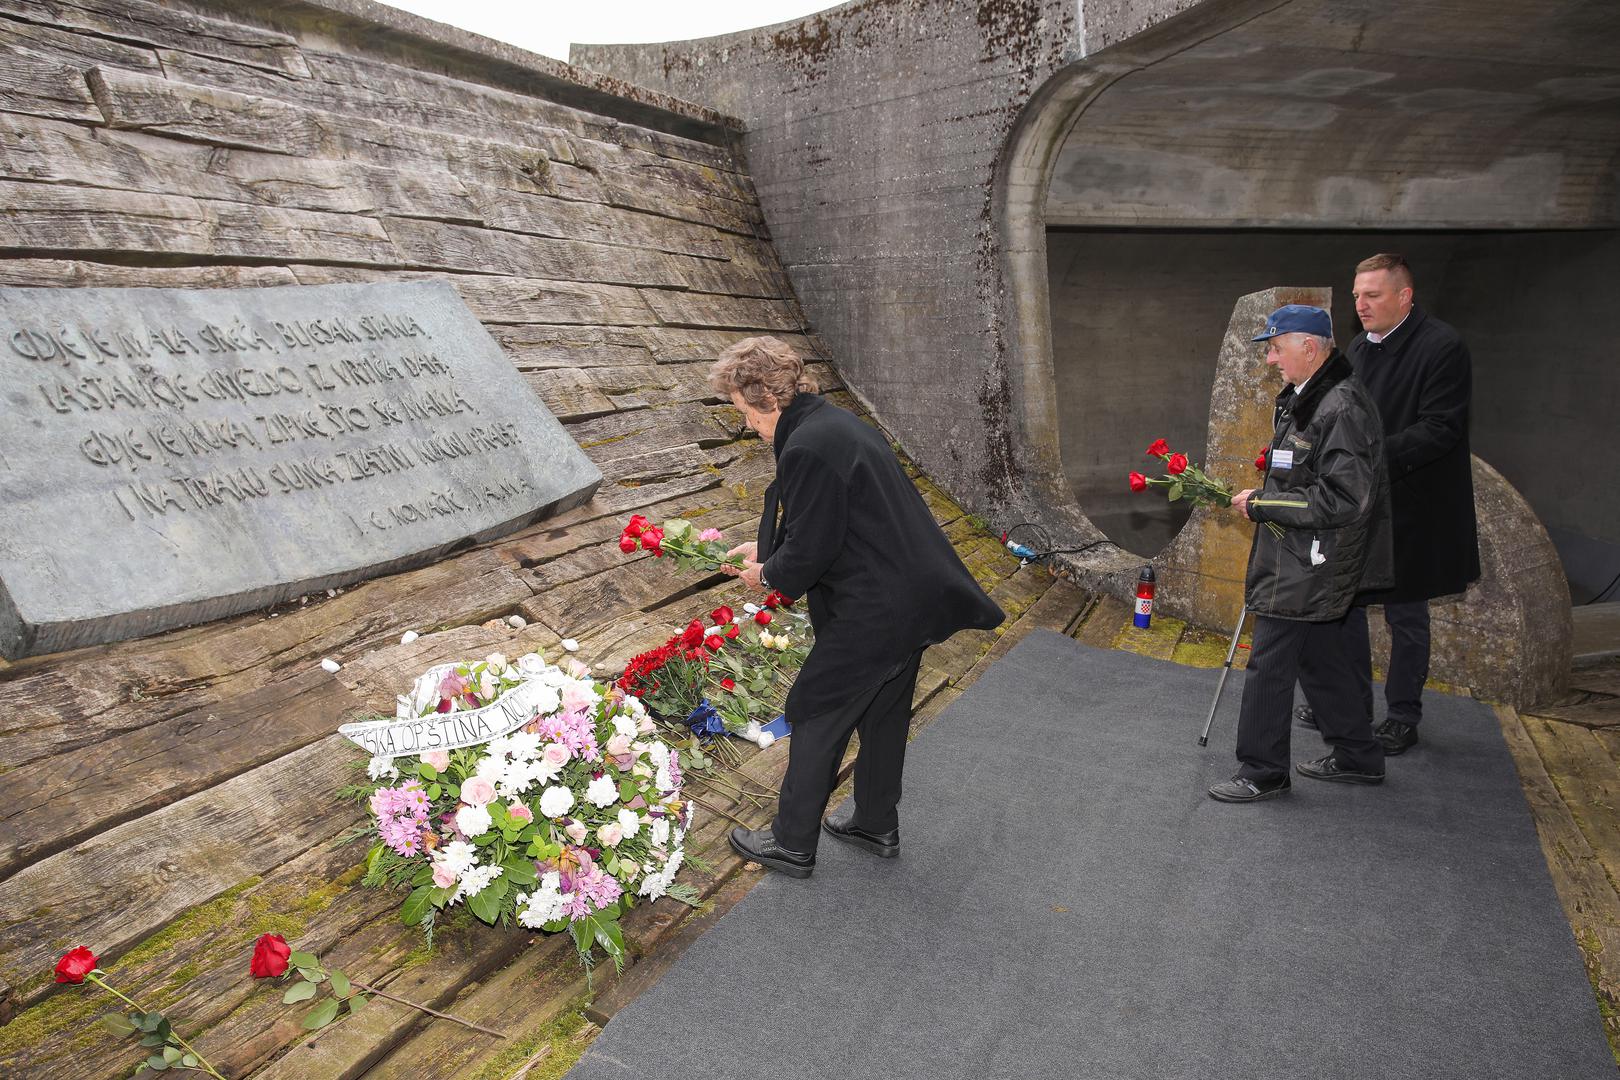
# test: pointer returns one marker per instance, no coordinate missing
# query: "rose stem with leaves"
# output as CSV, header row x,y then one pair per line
x,y
95,977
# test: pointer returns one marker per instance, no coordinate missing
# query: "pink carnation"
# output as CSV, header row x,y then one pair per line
x,y
710,534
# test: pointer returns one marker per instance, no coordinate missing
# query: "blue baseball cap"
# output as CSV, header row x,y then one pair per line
x,y
1296,319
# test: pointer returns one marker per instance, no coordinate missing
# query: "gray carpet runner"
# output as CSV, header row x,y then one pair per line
x,y
1069,903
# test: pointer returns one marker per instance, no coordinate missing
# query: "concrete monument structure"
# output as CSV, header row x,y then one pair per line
x,y
175,455
1016,223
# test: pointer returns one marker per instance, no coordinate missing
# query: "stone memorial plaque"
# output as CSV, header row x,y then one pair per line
x,y
171,456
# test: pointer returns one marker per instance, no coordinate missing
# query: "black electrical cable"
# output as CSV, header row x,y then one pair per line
x,y
1040,545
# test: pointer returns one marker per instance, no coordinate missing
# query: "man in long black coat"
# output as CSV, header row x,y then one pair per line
x,y
882,582
1418,372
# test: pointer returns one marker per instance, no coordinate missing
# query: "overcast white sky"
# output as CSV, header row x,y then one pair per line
x,y
547,26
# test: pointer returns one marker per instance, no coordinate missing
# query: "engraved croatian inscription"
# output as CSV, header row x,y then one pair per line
x,y
170,456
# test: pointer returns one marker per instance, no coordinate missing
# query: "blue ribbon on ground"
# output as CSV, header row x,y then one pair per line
x,y
705,720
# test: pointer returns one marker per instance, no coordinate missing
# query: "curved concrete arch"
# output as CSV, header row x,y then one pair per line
x,y
1295,117
1022,182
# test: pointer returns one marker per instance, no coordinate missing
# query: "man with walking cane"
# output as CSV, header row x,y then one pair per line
x,y
1327,492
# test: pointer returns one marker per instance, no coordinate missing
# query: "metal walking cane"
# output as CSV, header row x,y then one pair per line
x,y
1231,651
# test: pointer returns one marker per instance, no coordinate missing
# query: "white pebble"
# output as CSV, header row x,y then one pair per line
x,y
408,636
570,645
331,665
516,622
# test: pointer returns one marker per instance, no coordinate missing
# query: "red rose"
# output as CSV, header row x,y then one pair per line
x,y
627,543
728,684
722,615
1138,482
651,539
763,618
1177,464
636,526
732,631
75,964
692,635
1159,448
270,954
1260,462
713,642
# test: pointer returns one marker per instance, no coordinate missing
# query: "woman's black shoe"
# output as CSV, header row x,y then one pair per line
x,y
759,845
841,826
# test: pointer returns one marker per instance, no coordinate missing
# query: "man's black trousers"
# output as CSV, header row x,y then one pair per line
x,y
1408,658
882,715
1337,685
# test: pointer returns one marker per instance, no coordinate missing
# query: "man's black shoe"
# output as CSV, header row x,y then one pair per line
x,y
759,845
1331,768
1304,717
841,826
1242,789
1397,737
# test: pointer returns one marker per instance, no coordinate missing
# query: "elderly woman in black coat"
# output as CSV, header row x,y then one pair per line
x,y
844,528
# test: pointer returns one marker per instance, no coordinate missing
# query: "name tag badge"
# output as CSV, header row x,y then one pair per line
x,y
1282,459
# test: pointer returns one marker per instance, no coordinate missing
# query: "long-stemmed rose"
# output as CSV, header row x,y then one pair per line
x,y
150,1029
272,957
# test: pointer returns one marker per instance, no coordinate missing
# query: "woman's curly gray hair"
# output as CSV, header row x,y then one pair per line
x,y
761,368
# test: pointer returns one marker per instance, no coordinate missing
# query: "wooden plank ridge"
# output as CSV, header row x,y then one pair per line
x,y
59,153
77,274
78,49
153,25
43,85
218,117
392,94
59,801
395,93
141,102
507,304
724,311
1586,891
56,219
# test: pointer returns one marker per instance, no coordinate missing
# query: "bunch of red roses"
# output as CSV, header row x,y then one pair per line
x,y
691,548
670,678
1185,480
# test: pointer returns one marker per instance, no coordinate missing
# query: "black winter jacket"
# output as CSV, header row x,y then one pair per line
x,y
1421,379
1328,487
858,542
